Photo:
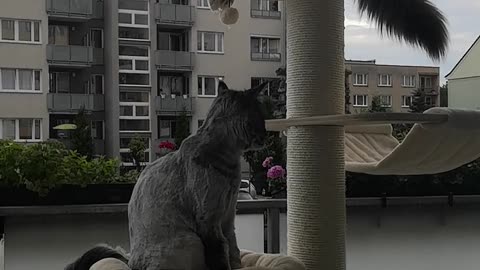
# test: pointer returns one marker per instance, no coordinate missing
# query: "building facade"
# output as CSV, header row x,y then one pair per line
x,y
132,65
393,84
464,80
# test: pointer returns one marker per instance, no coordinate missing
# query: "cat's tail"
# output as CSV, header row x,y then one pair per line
x,y
101,257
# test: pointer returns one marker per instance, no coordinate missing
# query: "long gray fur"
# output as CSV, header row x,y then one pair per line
x,y
182,210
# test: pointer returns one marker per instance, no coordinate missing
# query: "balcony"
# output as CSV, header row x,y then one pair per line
x,y
267,14
263,56
59,102
72,9
171,14
174,60
172,105
73,55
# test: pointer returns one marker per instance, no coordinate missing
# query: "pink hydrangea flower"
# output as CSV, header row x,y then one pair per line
x,y
267,162
276,172
167,145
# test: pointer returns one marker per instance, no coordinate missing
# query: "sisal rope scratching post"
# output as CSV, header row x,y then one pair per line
x,y
316,176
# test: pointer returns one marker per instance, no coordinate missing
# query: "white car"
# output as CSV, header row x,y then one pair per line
x,y
247,191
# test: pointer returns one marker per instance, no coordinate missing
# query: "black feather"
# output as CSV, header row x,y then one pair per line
x,y
418,22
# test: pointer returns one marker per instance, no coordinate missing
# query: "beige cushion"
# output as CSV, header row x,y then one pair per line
x,y
109,264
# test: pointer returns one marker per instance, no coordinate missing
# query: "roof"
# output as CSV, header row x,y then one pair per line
x,y
374,62
463,57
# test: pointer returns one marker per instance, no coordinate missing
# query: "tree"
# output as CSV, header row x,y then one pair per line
x,y
418,104
316,154
137,151
444,95
82,136
377,105
182,128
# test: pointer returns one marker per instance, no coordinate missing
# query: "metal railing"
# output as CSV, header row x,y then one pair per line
x,y
167,104
174,60
70,55
64,102
266,56
166,13
271,14
70,8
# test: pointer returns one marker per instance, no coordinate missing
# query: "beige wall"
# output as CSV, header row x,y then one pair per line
x,y
464,93
32,56
235,65
396,90
469,65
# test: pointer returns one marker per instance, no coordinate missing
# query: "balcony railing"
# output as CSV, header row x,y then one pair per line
x,y
59,102
174,60
171,14
71,55
261,56
172,104
75,9
270,14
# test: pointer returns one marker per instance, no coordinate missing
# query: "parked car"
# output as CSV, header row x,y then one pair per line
x,y
247,191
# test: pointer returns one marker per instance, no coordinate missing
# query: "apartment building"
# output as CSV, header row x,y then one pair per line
x,y
393,84
133,65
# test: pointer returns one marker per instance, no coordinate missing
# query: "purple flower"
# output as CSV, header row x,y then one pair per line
x,y
276,172
267,162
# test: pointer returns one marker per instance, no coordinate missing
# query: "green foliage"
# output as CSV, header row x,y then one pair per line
x,y
182,128
81,136
377,105
44,166
129,177
137,151
418,102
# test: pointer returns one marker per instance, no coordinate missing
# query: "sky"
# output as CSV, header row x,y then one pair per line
x,y
363,42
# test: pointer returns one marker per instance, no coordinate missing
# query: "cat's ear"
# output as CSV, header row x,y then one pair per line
x,y
222,87
256,91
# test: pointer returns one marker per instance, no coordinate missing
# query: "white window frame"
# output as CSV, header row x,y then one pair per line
x,y
404,99
426,78
17,82
271,55
389,79
134,117
93,83
387,98
17,129
16,32
202,4
132,14
127,150
134,70
364,77
217,80
268,5
355,101
408,80
217,35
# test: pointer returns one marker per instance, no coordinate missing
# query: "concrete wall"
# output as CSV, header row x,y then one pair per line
x,y
30,56
464,93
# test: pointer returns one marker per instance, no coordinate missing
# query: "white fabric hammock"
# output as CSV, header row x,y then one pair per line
x,y
436,145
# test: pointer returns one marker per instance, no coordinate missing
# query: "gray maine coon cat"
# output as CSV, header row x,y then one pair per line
x,y
181,213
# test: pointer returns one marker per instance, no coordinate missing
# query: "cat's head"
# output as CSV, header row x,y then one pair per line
x,y
243,113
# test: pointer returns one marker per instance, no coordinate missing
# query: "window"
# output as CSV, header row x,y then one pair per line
x,y
360,79
265,8
408,81
133,20
172,84
23,31
21,129
429,101
172,41
208,86
254,82
360,101
386,101
20,80
58,34
425,82
59,82
125,151
96,38
406,101
97,130
133,5
96,84
134,62
203,4
384,80
133,33
167,128
134,111
264,48
210,42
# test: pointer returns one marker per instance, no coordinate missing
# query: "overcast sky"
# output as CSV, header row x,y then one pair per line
x,y
363,41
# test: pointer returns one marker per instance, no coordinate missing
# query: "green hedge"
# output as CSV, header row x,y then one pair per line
x,y
44,166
